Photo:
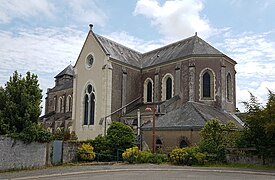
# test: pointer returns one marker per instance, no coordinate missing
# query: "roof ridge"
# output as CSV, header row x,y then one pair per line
x,y
124,46
163,47
191,103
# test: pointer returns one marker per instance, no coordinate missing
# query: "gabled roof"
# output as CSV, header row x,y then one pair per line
x,y
191,116
191,47
67,71
120,52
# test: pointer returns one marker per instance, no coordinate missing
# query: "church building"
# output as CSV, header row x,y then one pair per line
x,y
183,84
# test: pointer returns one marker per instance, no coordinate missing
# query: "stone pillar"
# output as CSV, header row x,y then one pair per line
x,y
74,101
124,89
156,86
192,78
223,85
177,79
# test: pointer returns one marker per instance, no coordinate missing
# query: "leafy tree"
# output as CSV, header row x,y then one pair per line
x,y
20,108
216,137
259,129
120,136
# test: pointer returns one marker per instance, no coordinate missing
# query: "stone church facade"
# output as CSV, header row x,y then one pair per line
x,y
187,83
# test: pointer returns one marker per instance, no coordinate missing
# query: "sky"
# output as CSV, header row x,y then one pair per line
x,y
45,36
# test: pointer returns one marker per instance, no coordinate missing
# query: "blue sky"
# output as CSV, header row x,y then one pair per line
x,y
44,36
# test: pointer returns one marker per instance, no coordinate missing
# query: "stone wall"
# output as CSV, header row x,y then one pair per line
x,y
15,154
69,152
249,159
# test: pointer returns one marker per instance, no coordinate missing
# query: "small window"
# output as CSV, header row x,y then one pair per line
x,y
158,144
90,60
183,144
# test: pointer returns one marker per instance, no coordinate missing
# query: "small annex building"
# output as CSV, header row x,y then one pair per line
x,y
187,82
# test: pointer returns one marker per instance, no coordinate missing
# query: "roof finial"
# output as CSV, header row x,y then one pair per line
x,y
196,34
91,27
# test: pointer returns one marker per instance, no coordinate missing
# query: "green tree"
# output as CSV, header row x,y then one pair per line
x,y
20,108
259,129
216,137
120,136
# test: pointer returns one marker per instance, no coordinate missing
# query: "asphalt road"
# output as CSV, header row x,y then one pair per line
x,y
138,172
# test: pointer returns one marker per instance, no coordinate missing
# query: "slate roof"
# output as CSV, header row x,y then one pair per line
x,y
191,47
66,85
191,116
120,52
69,70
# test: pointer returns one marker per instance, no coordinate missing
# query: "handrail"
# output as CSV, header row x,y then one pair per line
x,y
123,107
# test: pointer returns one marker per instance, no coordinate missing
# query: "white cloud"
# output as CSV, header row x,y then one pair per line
x,y
87,11
176,19
24,9
44,52
135,43
255,55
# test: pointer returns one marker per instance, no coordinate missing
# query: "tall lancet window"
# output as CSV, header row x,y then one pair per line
x,y
148,90
207,84
89,106
229,87
167,87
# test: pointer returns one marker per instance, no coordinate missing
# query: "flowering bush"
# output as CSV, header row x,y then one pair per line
x,y
187,156
131,154
86,152
134,155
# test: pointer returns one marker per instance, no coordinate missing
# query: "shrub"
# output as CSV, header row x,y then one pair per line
x,y
134,155
157,158
86,152
131,154
187,156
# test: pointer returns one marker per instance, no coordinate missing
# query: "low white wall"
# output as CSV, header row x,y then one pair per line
x,y
14,154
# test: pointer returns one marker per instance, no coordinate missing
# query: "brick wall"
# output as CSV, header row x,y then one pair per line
x,y
15,154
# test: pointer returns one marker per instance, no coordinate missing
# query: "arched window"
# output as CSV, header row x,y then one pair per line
x,y
69,103
158,144
183,143
228,87
207,84
148,90
89,106
167,87
60,104
54,103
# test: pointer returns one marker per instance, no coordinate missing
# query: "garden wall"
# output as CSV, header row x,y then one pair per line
x,y
14,154
249,159
69,151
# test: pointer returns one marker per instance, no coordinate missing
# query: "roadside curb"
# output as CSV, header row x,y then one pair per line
x,y
151,169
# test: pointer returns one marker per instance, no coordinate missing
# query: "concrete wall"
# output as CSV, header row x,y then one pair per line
x,y
15,154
